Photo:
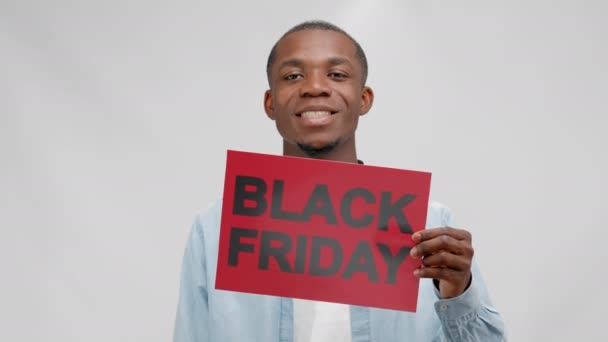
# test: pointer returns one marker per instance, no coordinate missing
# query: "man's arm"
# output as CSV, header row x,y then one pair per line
x,y
464,307
192,321
470,316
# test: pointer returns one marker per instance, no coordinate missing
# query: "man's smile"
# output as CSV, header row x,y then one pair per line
x,y
315,118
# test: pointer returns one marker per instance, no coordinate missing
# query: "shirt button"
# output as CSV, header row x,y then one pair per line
x,y
443,307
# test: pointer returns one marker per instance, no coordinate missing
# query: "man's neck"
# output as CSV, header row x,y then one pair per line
x,y
342,153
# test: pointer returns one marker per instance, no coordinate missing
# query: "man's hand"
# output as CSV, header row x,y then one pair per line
x,y
447,254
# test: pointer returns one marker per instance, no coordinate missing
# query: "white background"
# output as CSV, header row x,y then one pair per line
x,y
115,117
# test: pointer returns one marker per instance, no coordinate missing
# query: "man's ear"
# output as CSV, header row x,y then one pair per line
x,y
269,105
367,100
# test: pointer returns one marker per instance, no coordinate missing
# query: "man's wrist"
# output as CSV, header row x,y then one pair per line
x,y
436,284
459,307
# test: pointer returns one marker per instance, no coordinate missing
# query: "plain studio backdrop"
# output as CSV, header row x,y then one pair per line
x,y
116,117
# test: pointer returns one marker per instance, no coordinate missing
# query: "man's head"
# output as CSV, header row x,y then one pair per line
x,y
317,25
317,74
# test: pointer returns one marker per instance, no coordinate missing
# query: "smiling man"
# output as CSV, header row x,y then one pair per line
x,y
317,77
317,92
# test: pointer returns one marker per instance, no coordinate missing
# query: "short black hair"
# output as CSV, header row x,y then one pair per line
x,y
318,25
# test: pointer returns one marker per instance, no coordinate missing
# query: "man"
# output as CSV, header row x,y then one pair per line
x,y
317,74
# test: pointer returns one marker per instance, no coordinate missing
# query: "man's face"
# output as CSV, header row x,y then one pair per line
x,y
316,94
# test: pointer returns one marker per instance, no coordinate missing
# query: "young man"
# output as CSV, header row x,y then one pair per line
x,y
317,74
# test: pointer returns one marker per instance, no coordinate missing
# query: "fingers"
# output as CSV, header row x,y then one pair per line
x,y
458,234
447,260
442,243
447,255
438,273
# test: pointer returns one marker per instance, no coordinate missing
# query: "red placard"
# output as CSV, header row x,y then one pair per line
x,y
321,230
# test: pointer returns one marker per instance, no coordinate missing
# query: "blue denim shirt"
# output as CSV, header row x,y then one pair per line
x,y
206,314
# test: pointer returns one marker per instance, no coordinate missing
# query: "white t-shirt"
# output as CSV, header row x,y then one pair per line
x,y
321,321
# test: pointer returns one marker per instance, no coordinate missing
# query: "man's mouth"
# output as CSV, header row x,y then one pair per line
x,y
317,114
315,118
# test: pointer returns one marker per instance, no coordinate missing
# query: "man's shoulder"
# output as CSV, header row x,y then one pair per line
x,y
438,215
210,215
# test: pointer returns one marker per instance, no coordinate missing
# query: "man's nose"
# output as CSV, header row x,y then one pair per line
x,y
315,85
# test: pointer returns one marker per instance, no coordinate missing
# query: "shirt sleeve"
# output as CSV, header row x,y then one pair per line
x,y
470,316
192,319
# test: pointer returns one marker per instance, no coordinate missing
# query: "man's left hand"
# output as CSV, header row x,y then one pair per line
x,y
447,255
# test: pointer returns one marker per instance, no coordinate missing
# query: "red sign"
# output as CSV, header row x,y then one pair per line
x,y
321,230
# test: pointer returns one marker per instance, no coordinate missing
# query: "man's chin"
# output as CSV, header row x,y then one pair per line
x,y
319,149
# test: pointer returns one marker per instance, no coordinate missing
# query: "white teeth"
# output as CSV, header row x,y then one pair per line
x,y
315,114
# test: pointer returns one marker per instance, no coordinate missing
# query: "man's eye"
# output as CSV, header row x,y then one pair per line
x,y
293,77
338,75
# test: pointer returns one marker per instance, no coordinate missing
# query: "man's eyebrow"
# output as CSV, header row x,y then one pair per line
x,y
333,61
298,63
294,62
